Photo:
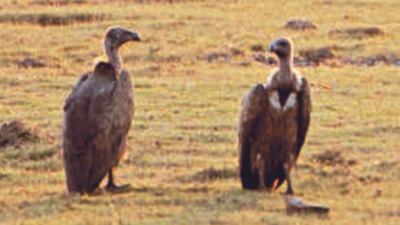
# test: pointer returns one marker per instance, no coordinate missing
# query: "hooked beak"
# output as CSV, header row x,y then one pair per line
x,y
272,47
134,36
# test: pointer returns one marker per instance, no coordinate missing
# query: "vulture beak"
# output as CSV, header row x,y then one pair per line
x,y
273,47
134,36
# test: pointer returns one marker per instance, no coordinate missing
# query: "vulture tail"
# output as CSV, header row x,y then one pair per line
x,y
250,179
77,173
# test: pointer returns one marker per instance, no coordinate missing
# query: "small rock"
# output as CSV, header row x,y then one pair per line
x,y
298,205
298,24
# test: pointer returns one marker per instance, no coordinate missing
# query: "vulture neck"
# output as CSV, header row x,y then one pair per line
x,y
287,76
113,56
285,66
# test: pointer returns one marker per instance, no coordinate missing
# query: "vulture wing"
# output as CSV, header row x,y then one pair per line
x,y
75,89
304,101
253,106
259,125
96,122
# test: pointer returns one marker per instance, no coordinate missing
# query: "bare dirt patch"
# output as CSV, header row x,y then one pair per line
x,y
45,19
212,174
32,63
258,48
386,165
58,2
358,32
327,56
218,57
317,55
377,131
81,2
15,133
335,166
333,157
299,24
224,56
390,60
164,1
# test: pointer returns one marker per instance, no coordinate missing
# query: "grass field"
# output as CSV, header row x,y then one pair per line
x,y
183,158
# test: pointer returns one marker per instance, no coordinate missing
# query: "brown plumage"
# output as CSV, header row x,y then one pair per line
x,y
273,124
97,116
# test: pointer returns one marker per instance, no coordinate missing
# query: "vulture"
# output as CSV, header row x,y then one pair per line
x,y
273,124
98,113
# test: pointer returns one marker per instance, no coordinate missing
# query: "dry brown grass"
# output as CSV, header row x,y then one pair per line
x,y
182,155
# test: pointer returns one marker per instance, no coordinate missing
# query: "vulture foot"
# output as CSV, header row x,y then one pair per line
x,y
119,189
97,191
111,187
289,191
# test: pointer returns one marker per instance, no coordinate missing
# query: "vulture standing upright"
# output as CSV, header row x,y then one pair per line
x,y
273,124
97,116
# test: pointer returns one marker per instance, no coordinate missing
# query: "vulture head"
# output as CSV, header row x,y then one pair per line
x,y
282,47
117,36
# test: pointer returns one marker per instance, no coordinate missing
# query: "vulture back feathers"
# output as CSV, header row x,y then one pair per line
x,y
97,116
273,124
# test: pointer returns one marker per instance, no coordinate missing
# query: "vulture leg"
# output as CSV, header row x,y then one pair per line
x,y
261,171
289,190
111,187
287,167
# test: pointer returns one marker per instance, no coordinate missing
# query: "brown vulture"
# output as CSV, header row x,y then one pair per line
x,y
97,116
273,124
